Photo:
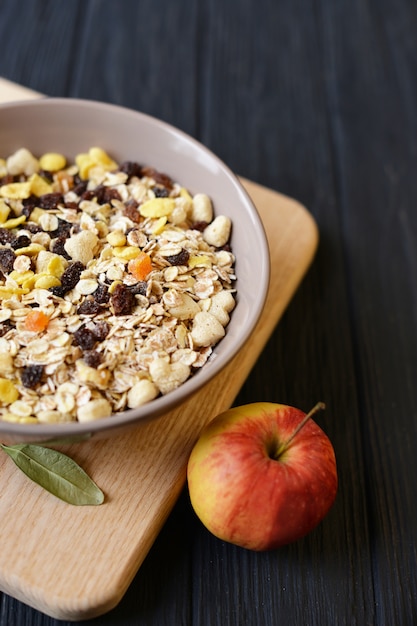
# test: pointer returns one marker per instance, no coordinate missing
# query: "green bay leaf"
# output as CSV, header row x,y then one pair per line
x,y
56,472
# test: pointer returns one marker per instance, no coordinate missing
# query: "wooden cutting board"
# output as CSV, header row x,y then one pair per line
x,y
75,563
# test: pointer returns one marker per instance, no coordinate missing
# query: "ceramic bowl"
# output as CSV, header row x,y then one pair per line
x,y
71,126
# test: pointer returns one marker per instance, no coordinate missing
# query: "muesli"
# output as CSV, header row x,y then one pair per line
x,y
115,284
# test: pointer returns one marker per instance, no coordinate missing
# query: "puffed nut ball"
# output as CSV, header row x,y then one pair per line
x,y
207,330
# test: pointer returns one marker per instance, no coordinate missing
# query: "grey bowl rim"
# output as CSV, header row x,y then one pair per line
x,y
74,431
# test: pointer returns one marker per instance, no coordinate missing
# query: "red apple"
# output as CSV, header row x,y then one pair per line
x,y
262,475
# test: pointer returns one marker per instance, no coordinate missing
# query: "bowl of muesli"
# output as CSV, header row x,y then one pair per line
x,y
133,267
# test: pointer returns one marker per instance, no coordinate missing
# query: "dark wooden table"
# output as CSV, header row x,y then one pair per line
x,y
318,100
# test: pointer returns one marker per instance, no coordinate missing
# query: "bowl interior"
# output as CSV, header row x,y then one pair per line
x,y
72,126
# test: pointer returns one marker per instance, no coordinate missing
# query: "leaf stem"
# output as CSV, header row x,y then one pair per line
x,y
56,472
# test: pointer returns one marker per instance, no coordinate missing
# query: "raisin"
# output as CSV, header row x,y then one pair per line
x,y
7,180
21,242
28,204
99,193
159,177
48,176
85,338
59,291
31,375
123,300
89,307
72,205
160,192
88,194
80,187
131,211
57,247
139,288
179,259
5,327
131,168
92,358
32,227
200,226
50,200
27,210
7,257
101,294
69,279
105,194
6,236
71,275
64,229
101,330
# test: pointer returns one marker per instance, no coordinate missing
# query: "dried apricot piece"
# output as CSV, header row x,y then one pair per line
x,y
36,321
140,266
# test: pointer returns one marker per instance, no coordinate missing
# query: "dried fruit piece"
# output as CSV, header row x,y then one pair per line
x,y
101,330
179,259
158,177
101,294
5,327
105,195
122,300
92,358
89,307
141,266
85,338
7,257
63,229
6,236
71,276
160,192
131,211
58,247
22,241
50,200
36,321
139,288
29,205
131,168
31,375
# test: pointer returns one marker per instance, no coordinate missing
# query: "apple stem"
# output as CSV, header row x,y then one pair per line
x,y
320,406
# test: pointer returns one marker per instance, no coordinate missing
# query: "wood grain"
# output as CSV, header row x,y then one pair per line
x,y
76,563
316,99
